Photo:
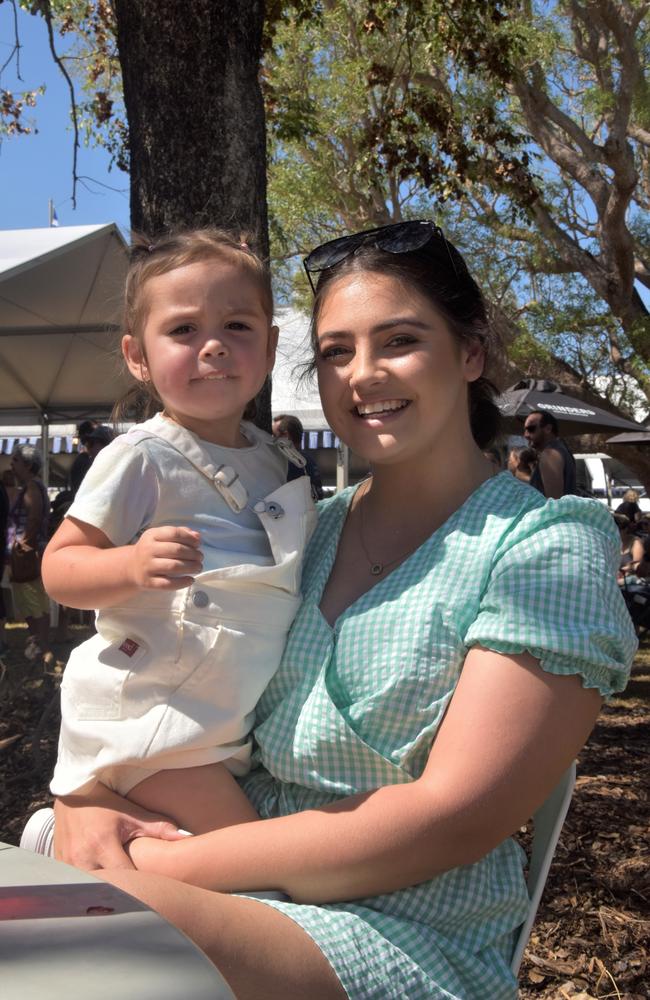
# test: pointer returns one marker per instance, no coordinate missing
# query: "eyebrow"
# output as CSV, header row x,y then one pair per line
x,y
382,327
190,312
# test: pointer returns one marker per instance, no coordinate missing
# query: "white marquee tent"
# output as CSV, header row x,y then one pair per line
x,y
60,294
60,297
293,391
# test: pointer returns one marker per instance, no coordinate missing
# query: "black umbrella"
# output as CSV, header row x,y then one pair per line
x,y
634,437
574,416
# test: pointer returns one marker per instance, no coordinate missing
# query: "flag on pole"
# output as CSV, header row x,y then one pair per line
x,y
54,219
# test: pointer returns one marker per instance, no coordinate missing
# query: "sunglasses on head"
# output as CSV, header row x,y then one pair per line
x,y
401,237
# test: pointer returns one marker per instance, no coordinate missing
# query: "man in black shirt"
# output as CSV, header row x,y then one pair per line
x,y
555,472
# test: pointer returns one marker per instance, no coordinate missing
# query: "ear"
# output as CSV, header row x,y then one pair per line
x,y
134,357
474,360
271,346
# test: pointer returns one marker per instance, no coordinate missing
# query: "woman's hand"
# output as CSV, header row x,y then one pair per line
x,y
166,558
91,830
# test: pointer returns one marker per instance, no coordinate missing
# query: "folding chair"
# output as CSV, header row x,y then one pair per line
x,y
548,822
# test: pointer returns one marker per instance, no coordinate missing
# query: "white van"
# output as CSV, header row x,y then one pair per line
x,y
607,479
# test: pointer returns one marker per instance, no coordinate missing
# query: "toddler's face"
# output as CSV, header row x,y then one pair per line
x,y
207,346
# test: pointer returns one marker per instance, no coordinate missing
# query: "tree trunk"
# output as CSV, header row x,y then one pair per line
x,y
196,118
197,139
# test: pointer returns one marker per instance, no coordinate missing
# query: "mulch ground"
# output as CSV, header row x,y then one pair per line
x,y
591,939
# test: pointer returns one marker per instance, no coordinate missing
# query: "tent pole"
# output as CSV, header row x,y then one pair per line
x,y
342,466
45,448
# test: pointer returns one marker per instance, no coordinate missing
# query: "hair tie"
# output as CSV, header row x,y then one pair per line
x,y
150,248
245,246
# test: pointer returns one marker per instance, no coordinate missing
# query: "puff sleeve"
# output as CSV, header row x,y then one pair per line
x,y
552,591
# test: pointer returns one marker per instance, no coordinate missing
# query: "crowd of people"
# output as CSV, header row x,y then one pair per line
x,y
27,521
528,465
634,566
356,735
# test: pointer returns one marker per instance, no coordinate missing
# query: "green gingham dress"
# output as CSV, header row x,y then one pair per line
x,y
357,706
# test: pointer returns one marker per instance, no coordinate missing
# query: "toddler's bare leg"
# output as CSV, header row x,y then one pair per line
x,y
197,799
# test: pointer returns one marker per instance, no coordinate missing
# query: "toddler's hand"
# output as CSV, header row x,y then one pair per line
x,y
166,558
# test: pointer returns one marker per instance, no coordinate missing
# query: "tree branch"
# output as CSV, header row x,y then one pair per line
x,y
16,47
46,9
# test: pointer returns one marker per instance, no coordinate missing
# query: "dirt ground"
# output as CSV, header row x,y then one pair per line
x,y
591,939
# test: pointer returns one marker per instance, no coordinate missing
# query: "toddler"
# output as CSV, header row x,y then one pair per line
x,y
187,537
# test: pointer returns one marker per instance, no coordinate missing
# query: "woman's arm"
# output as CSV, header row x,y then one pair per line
x,y
83,569
509,733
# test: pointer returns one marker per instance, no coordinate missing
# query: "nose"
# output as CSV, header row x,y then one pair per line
x,y
366,370
213,346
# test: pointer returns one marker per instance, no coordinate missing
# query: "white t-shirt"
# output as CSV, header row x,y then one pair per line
x,y
137,484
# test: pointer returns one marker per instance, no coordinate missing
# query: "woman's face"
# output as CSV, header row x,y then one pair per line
x,y
393,380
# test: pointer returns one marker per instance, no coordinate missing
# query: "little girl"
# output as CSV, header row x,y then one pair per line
x,y
187,537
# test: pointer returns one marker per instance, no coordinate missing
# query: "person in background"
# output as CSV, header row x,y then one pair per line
x,y
632,549
97,439
555,472
9,483
82,462
285,426
93,437
521,463
28,522
630,506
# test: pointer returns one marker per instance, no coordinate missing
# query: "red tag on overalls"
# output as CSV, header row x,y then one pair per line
x,y
129,647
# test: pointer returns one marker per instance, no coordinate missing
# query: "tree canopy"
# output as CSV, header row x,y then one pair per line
x,y
523,126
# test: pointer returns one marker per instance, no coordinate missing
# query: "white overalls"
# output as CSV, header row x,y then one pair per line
x,y
172,679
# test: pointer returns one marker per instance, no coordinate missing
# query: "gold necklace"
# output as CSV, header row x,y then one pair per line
x,y
376,568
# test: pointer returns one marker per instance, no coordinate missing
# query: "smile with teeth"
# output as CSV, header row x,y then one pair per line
x,y
382,406
214,377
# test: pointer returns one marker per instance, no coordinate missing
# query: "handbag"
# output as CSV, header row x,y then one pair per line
x,y
25,564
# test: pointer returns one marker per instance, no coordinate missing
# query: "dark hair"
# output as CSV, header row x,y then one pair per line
x,y
439,273
291,426
526,458
546,419
150,258
84,428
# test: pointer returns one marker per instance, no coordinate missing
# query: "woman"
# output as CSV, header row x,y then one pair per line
x,y
629,506
27,529
426,703
632,549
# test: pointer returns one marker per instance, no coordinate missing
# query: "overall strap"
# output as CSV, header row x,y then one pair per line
x,y
223,477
